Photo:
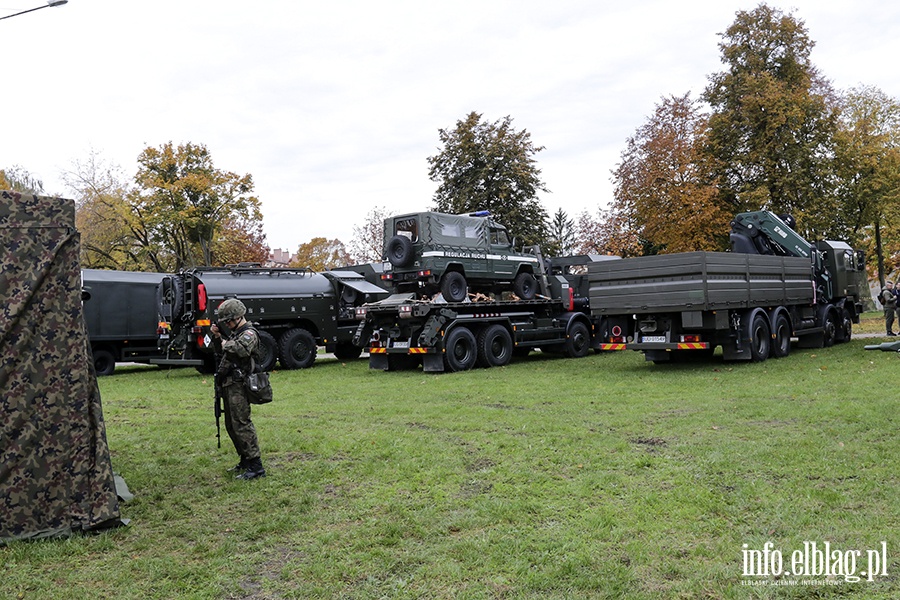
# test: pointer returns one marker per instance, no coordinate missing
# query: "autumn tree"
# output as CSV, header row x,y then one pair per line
x,y
103,216
240,240
607,233
182,201
321,254
17,179
773,121
868,167
367,245
491,166
663,185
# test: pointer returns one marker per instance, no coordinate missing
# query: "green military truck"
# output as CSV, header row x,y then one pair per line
x,y
751,302
295,311
431,252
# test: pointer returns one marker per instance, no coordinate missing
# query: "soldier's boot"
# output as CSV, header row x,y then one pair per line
x,y
240,467
254,469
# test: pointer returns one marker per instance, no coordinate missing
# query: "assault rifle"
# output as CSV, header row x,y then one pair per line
x,y
223,366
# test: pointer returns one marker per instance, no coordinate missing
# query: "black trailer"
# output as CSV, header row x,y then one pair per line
x,y
120,312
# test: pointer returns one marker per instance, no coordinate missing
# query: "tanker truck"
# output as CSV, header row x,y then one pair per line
x,y
295,311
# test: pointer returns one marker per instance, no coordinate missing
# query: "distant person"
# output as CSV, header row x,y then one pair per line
x,y
897,297
237,354
888,300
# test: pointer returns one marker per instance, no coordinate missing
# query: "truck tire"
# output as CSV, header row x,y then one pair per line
x,y
269,350
845,330
104,361
297,349
347,351
578,341
460,350
829,328
781,337
453,286
400,251
760,338
495,346
525,286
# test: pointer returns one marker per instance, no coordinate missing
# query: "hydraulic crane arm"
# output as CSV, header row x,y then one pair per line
x,y
762,232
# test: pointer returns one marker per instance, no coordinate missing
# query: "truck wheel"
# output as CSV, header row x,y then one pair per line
x,y
400,251
578,342
460,352
297,349
525,286
845,331
269,350
495,347
347,351
453,286
104,361
829,329
760,338
782,346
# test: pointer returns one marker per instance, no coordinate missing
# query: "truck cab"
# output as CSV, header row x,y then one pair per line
x,y
431,252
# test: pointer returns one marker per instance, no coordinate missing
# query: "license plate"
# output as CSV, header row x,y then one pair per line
x,y
653,338
399,344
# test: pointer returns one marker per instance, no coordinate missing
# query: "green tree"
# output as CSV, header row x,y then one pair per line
x,y
491,166
561,240
773,121
320,254
182,201
868,167
663,184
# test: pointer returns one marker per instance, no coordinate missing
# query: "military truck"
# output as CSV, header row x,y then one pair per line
x,y
120,312
404,331
431,252
773,286
295,311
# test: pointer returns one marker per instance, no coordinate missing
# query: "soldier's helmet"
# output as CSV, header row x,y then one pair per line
x,y
232,308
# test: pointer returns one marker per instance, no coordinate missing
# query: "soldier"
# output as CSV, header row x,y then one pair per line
x,y
236,354
889,302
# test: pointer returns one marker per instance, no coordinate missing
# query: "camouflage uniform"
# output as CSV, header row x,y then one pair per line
x,y
237,351
889,302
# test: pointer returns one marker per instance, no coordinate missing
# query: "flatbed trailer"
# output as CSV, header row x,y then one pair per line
x,y
402,332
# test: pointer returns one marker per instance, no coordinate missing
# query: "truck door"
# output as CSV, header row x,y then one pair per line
x,y
498,257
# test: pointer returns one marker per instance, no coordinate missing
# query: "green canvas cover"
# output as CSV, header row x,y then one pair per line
x,y
55,471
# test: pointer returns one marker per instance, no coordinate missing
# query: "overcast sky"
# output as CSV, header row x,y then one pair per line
x,y
333,107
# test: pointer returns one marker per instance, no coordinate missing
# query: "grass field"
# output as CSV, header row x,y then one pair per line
x,y
605,477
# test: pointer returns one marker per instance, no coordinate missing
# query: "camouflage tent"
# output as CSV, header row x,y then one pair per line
x,y
55,470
